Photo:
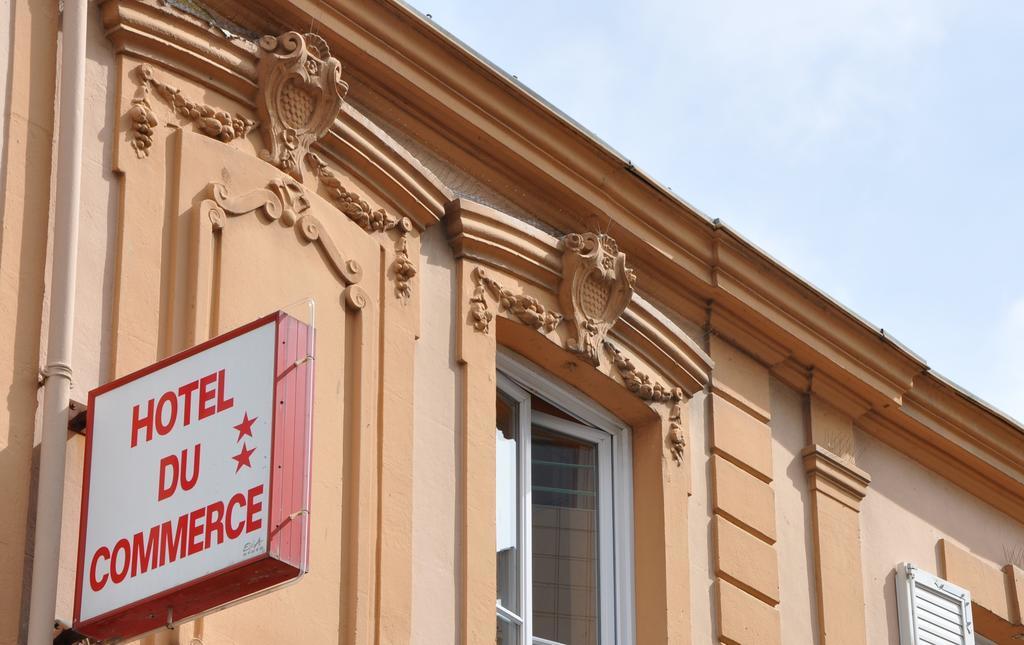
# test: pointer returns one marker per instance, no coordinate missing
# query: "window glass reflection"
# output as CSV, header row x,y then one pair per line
x,y
507,490
565,549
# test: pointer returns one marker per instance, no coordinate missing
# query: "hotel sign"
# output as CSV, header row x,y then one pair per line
x,y
196,481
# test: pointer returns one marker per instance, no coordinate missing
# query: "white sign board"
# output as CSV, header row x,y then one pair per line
x,y
178,473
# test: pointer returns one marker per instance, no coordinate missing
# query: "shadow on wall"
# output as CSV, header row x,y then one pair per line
x,y
907,510
938,503
24,210
796,535
101,215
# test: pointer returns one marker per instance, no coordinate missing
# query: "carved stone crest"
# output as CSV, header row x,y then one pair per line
x,y
596,288
301,92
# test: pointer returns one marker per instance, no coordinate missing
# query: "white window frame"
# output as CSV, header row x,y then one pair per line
x,y
518,379
909,577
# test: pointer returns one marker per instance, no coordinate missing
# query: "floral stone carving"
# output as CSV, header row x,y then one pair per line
x,y
596,288
479,314
211,121
676,437
301,92
527,309
370,220
640,383
648,389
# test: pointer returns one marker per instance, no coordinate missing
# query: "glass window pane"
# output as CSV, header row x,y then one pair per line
x,y
565,550
507,505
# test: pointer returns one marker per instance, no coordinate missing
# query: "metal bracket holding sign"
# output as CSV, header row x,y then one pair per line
x,y
196,485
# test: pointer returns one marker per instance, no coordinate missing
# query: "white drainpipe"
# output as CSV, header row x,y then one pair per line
x,y
57,373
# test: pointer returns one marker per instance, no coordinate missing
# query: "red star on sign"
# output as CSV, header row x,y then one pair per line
x,y
245,427
243,457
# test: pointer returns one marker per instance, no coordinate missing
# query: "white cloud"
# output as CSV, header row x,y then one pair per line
x,y
798,71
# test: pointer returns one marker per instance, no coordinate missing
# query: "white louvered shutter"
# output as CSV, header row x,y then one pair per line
x,y
932,611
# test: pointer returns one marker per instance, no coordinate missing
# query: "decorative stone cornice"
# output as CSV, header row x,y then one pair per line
x,y
831,475
496,240
950,435
690,258
154,32
596,288
527,309
213,122
306,52
300,95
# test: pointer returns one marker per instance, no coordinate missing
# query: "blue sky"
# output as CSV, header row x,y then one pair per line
x,y
874,147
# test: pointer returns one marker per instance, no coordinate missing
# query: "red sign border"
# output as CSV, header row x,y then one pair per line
x,y
277,317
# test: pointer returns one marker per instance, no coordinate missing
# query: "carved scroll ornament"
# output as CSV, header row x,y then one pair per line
x,y
284,200
596,287
300,94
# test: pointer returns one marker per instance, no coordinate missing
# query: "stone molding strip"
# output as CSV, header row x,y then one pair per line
x,y
496,240
831,475
170,39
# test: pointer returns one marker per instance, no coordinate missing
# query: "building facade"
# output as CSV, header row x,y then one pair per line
x,y
553,401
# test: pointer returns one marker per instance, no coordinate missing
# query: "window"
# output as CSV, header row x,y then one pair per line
x,y
564,515
932,610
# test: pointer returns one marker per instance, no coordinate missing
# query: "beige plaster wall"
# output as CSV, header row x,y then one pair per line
x,y
97,233
906,511
435,457
795,546
28,49
6,18
702,574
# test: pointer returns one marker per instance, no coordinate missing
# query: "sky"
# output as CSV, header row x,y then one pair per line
x,y
875,147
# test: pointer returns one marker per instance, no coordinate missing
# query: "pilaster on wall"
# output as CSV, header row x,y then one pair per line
x,y
746,564
837,487
476,347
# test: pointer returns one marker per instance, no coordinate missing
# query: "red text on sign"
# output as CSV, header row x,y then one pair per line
x,y
174,472
162,413
186,536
